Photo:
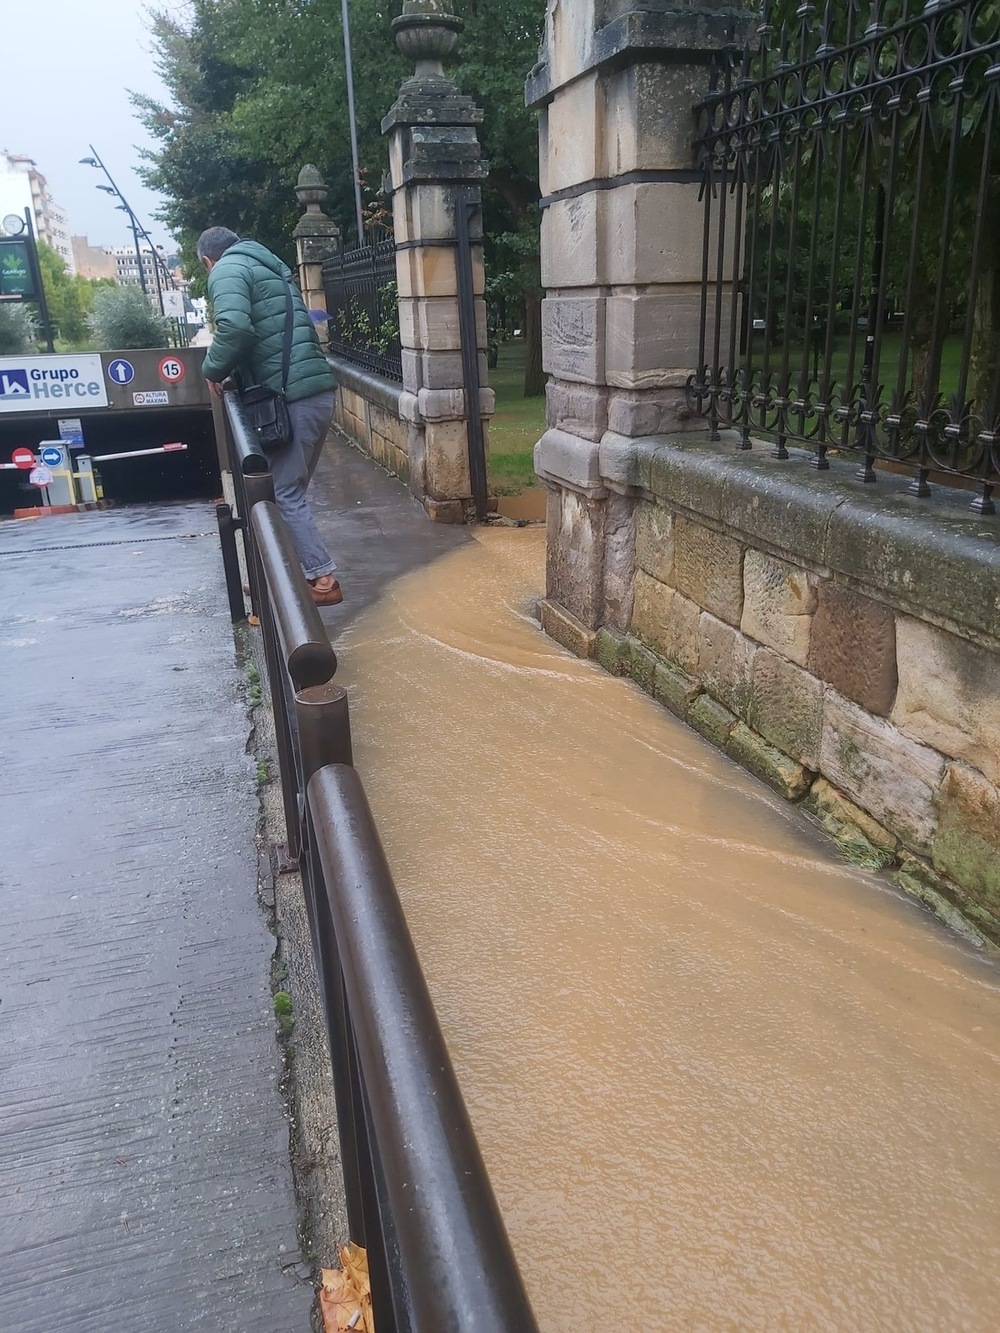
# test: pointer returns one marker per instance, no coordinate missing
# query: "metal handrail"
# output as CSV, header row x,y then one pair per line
x,y
459,1269
418,1195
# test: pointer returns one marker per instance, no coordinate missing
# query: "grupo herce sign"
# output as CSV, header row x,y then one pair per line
x,y
44,383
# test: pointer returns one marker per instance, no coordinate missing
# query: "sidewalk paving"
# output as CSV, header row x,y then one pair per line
x,y
144,1170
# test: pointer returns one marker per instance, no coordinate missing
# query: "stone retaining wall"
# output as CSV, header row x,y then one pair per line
x,y
367,411
841,642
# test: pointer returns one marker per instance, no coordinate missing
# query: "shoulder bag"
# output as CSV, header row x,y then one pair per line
x,y
265,409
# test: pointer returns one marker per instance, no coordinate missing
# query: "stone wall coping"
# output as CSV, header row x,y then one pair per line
x,y
566,460
376,388
929,556
655,30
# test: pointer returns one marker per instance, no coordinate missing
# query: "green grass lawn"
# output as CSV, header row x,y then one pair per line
x,y
519,423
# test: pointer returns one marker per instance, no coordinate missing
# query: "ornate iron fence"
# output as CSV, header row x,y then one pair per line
x,y
361,301
851,274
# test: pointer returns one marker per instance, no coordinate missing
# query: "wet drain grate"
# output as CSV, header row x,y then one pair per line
x,y
124,541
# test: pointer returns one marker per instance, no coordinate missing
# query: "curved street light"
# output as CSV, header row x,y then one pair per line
x,y
112,188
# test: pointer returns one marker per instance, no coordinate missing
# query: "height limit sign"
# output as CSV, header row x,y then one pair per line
x,y
171,370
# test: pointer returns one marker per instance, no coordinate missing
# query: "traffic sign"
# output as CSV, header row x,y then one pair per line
x,y
23,458
51,456
121,371
171,370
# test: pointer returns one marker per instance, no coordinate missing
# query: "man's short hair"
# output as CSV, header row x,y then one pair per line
x,y
213,243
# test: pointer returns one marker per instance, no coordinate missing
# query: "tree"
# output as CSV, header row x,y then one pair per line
x,y
257,89
70,299
123,318
17,329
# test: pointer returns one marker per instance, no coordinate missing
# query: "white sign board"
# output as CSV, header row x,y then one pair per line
x,y
173,304
51,383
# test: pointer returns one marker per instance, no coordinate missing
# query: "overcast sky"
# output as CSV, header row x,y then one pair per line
x,y
64,77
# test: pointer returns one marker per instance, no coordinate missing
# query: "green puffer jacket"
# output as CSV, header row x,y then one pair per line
x,y
247,290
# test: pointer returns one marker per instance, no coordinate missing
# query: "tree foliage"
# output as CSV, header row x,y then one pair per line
x,y
17,329
123,318
70,299
257,88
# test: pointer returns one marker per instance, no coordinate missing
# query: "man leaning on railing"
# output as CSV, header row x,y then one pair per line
x,y
251,292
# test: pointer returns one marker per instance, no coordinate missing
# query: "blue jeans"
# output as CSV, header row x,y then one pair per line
x,y
291,471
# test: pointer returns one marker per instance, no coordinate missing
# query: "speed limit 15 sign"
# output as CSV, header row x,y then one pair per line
x,y
171,370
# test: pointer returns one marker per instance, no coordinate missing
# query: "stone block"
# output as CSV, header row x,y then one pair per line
x,y
787,707
778,604
708,568
666,621
432,324
570,240
626,463
573,338
853,647
444,511
967,843
654,541
447,460
651,336
610,652
654,233
579,409
425,212
558,624
568,458
892,777
690,478
711,720
619,560
959,911
648,124
430,270
725,664
948,694
674,688
788,778
641,664
576,121
660,411
786,510
945,562
428,369
575,555
847,822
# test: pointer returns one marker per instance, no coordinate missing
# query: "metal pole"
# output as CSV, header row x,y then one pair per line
x,y
469,335
43,305
349,66
231,562
132,217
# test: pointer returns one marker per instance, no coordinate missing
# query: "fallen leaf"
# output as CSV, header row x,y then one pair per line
x,y
345,1298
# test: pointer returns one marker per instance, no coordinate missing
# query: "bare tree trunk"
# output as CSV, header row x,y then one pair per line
x,y
534,376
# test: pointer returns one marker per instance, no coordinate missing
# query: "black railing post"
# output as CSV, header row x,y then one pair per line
x,y
231,562
464,207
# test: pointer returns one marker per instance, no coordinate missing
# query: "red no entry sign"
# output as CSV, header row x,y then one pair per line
x,y
23,458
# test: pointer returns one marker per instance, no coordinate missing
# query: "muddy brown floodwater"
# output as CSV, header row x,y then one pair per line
x,y
720,1080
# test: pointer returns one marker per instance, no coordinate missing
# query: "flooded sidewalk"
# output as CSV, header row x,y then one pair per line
x,y
720,1079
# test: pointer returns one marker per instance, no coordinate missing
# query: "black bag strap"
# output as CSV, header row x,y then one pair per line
x,y
286,354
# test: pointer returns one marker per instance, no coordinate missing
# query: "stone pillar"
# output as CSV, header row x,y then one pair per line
x,y
317,237
621,245
434,168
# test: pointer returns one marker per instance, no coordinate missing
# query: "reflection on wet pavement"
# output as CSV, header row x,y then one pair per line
x,y
720,1079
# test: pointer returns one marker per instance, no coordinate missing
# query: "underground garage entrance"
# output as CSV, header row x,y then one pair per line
x,y
140,422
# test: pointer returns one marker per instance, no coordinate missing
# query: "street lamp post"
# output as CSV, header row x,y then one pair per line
x,y
112,188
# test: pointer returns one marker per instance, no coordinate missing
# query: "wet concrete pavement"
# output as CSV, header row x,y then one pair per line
x,y
144,1172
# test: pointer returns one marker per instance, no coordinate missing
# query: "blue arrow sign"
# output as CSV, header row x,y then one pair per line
x,y
121,372
51,457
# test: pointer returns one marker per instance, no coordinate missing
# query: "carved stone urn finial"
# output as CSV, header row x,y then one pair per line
x,y
428,35
310,190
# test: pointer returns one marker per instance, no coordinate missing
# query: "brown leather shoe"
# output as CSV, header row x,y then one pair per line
x,y
331,595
